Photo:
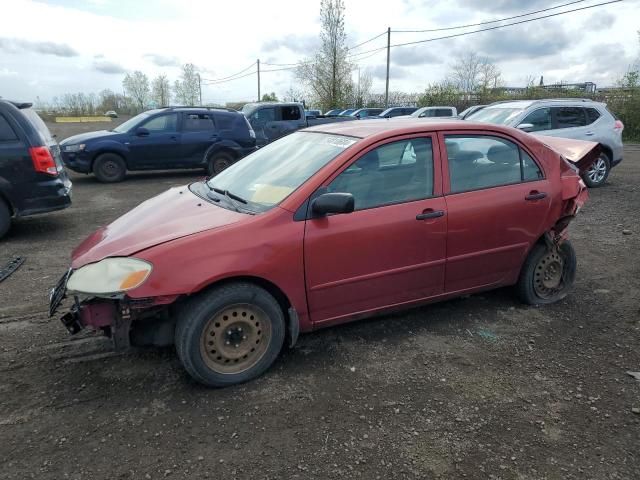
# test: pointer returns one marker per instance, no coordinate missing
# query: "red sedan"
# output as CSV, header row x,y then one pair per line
x,y
327,225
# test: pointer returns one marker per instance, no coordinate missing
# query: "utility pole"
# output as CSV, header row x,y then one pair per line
x,y
199,89
358,98
258,63
386,89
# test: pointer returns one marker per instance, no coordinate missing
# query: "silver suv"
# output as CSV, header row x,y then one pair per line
x,y
581,119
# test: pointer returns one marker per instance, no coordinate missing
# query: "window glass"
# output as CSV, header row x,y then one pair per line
x,y
569,117
262,116
540,119
198,122
477,162
162,123
6,132
443,112
38,123
530,169
428,113
592,115
495,115
396,172
290,113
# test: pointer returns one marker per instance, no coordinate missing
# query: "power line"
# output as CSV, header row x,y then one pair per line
x,y
230,76
371,39
493,28
489,21
217,82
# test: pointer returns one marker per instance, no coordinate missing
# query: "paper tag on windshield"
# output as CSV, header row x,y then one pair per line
x,y
339,141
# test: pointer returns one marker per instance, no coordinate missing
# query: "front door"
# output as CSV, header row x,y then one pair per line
x,y
497,202
158,149
391,249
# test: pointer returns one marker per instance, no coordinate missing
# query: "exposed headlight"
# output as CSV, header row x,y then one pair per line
x,y
74,148
109,276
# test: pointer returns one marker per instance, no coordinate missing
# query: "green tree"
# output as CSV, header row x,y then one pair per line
x,y
269,97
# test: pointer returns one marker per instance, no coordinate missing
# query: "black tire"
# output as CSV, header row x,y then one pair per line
x,y
5,218
204,316
217,162
109,168
598,173
534,287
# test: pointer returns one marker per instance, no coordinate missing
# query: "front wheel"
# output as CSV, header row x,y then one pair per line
x,y
598,173
230,334
109,168
547,275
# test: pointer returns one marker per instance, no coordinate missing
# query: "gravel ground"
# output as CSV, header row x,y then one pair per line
x,y
478,387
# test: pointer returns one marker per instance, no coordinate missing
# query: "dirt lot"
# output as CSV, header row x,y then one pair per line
x,y
479,387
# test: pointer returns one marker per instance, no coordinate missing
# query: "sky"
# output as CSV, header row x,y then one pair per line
x,y
65,46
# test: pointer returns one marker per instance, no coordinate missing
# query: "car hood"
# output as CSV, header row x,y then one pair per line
x,y
171,215
581,153
83,137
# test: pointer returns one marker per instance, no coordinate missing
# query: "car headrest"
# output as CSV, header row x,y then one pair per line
x,y
502,154
370,161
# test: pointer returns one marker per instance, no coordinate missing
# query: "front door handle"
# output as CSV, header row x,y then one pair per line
x,y
590,134
430,214
535,195
173,137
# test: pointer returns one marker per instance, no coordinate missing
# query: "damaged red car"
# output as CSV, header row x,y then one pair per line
x,y
330,224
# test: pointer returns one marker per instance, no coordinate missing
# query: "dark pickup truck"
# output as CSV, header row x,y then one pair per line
x,y
272,120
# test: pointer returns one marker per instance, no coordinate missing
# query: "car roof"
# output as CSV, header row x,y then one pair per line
x,y
522,104
399,126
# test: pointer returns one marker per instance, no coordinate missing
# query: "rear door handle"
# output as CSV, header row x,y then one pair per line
x,y
430,214
535,196
590,134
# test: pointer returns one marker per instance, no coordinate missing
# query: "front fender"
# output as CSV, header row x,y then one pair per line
x,y
111,146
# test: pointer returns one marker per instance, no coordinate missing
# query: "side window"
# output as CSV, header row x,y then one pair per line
x,y
569,117
397,172
290,113
443,112
6,132
477,162
592,115
162,123
198,122
427,113
264,115
540,119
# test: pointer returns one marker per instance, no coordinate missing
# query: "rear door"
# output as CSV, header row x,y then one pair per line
x,y
198,134
161,147
391,249
497,200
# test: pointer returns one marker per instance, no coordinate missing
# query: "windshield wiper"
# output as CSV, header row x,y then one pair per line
x,y
232,197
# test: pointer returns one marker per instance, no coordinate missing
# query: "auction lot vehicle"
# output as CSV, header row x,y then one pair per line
x,y
470,111
431,112
161,139
334,223
396,112
111,113
581,119
273,120
362,113
32,178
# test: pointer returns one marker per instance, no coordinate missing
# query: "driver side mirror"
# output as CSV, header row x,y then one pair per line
x,y
525,127
332,203
142,132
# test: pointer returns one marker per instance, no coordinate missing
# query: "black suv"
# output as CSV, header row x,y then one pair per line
x,y
166,138
32,179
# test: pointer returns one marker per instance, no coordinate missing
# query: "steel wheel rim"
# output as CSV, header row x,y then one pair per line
x,y
220,164
109,168
548,276
598,170
235,338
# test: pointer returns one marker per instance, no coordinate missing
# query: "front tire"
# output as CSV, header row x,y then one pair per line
x,y
229,335
109,168
598,173
547,276
217,162
5,218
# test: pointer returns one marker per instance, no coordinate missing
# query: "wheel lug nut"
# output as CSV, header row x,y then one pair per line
x,y
237,345
227,342
239,329
244,337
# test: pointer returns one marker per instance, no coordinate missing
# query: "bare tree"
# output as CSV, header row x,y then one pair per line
x,y
136,85
187,89
465,73
161,90
362,90
328,73
293,95
489,75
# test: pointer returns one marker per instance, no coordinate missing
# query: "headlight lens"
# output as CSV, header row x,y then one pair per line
x,y
74,148
109,276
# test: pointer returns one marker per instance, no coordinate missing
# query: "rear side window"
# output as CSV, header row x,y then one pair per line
x,y
291,113
592,115
6,132
480,161
162,123
569,117
38,124
443,112
198,122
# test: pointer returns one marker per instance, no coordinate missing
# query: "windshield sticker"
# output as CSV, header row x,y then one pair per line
x,y
270,194
338,141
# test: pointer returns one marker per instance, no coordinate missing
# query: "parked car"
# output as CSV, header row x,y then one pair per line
x,y
165,138
580,119
111,114
333,113
431,112
396,112
366,112
347,112
469,111
273,120
342,221
313,113
32,179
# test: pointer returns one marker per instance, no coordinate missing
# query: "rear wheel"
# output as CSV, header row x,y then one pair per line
x,y
229,335
109,168
547,275
598,173
5,218
217,162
